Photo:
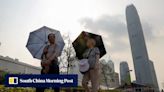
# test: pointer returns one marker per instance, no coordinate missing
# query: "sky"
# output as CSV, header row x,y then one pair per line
x,y
104,17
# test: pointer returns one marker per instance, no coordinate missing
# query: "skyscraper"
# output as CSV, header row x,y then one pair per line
x,y
109,78
111,65
124,73
144,69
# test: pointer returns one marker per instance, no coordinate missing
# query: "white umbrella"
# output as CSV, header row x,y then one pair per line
x,y
38,39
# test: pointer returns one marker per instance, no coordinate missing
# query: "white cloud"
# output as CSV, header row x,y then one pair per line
x,y
115,35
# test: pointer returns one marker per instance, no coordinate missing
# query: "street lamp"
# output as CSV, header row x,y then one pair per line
x,y
128,78
129,71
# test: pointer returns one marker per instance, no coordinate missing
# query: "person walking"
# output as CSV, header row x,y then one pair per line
x,y
93,55
49,61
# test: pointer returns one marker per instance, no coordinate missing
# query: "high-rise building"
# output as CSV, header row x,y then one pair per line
x,y
111,64
153,73
108,78
144,69
124,73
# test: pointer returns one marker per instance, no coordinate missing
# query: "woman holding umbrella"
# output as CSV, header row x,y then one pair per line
x,y
46,44
89,48
93,55
49,61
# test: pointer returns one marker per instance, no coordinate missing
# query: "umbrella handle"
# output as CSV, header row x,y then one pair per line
x,y
46,42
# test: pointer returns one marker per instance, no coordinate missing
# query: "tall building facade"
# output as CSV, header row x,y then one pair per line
x,y
111,64
124,73
144,69
108,77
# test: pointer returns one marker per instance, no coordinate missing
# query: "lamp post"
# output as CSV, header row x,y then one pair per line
x,y
128,78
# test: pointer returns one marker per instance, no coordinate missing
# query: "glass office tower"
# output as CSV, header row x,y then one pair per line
x,y
144,68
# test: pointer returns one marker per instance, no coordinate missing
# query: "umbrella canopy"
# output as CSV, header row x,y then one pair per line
x,y
38,39
80,44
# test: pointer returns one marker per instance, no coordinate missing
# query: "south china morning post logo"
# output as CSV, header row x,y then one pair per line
x,y
12,80
37,80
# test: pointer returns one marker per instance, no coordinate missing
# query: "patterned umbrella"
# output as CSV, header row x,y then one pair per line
x,y
80,44
38,39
